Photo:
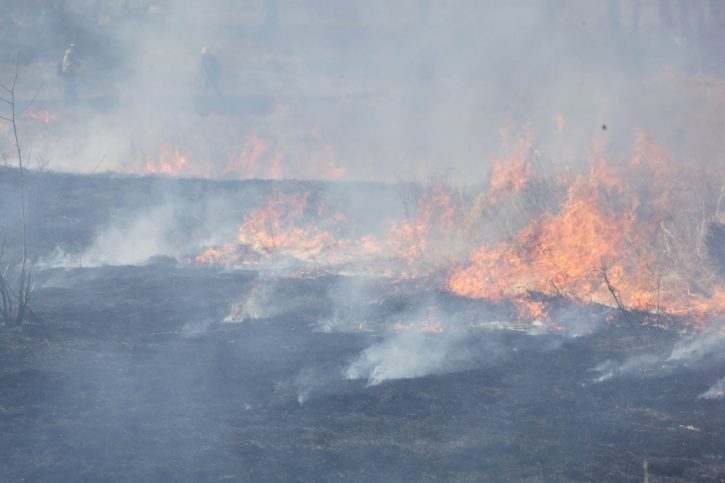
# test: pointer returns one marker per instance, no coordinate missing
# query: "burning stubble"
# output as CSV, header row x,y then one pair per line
x,y
519,201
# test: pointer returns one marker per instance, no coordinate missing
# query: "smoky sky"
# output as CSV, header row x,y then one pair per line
x,y
359,90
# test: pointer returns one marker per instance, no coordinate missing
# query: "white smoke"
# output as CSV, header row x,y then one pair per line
x,y
134,241
259,303
692,349
699,346
717,391
409,354
126,240
636,365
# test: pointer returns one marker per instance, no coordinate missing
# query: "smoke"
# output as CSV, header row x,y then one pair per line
x,y
426,340
356,302
133,241
407,355
131,237
691,350
632,366
708,345
717,391
378,91
260,302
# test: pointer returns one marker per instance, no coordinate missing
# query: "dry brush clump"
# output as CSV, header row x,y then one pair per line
x,y
630,233
16,290
16,286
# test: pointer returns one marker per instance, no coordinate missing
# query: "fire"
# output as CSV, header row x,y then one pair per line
x,y
368,244
247,165
331,169
218,255
275,167
296,223
510,176
422,238
601,244
169,162
619,234
283,226
273,227
43,116
430,324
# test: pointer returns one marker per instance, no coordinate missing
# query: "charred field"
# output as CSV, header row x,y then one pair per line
x,y
144,372
378,241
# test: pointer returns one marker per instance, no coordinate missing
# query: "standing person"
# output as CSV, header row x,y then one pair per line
x,y
68,69
211,75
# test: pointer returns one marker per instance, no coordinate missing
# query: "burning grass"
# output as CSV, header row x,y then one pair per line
x,y
629,234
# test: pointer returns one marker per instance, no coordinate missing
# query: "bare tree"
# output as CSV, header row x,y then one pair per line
x,y
15,291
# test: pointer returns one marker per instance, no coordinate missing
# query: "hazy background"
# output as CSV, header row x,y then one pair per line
x,y
370,90
144,364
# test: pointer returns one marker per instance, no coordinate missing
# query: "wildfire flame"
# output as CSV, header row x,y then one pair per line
x,y
608,235
279,227
601,245
43,116
246,166
169,162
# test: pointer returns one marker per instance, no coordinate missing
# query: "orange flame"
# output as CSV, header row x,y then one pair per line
x,y
246,166
43,116
601,245
281,226
169,162
435,218
608,236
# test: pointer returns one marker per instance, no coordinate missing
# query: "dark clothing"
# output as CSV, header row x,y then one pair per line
x,y
211,74
68,69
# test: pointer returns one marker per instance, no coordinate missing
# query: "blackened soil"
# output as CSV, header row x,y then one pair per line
x,y
128,374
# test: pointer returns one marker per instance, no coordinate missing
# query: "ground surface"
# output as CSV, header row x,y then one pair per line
x,y
128,374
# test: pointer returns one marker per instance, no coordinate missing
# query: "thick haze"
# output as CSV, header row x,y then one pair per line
x,y
360,90
306,324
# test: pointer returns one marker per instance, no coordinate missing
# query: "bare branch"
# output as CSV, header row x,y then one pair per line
x,y
15,305
32,100
103,158
603,270
17,72
617,299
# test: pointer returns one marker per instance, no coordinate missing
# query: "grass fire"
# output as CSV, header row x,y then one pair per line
x,y
367,241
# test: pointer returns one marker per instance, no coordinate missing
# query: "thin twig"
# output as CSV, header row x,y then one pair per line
x,y
101,161
618,300
32,100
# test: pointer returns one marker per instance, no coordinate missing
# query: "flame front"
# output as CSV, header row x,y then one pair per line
x,y
602,245
618,234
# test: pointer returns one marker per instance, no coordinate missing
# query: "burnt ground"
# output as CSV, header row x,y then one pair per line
x,y
126,373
